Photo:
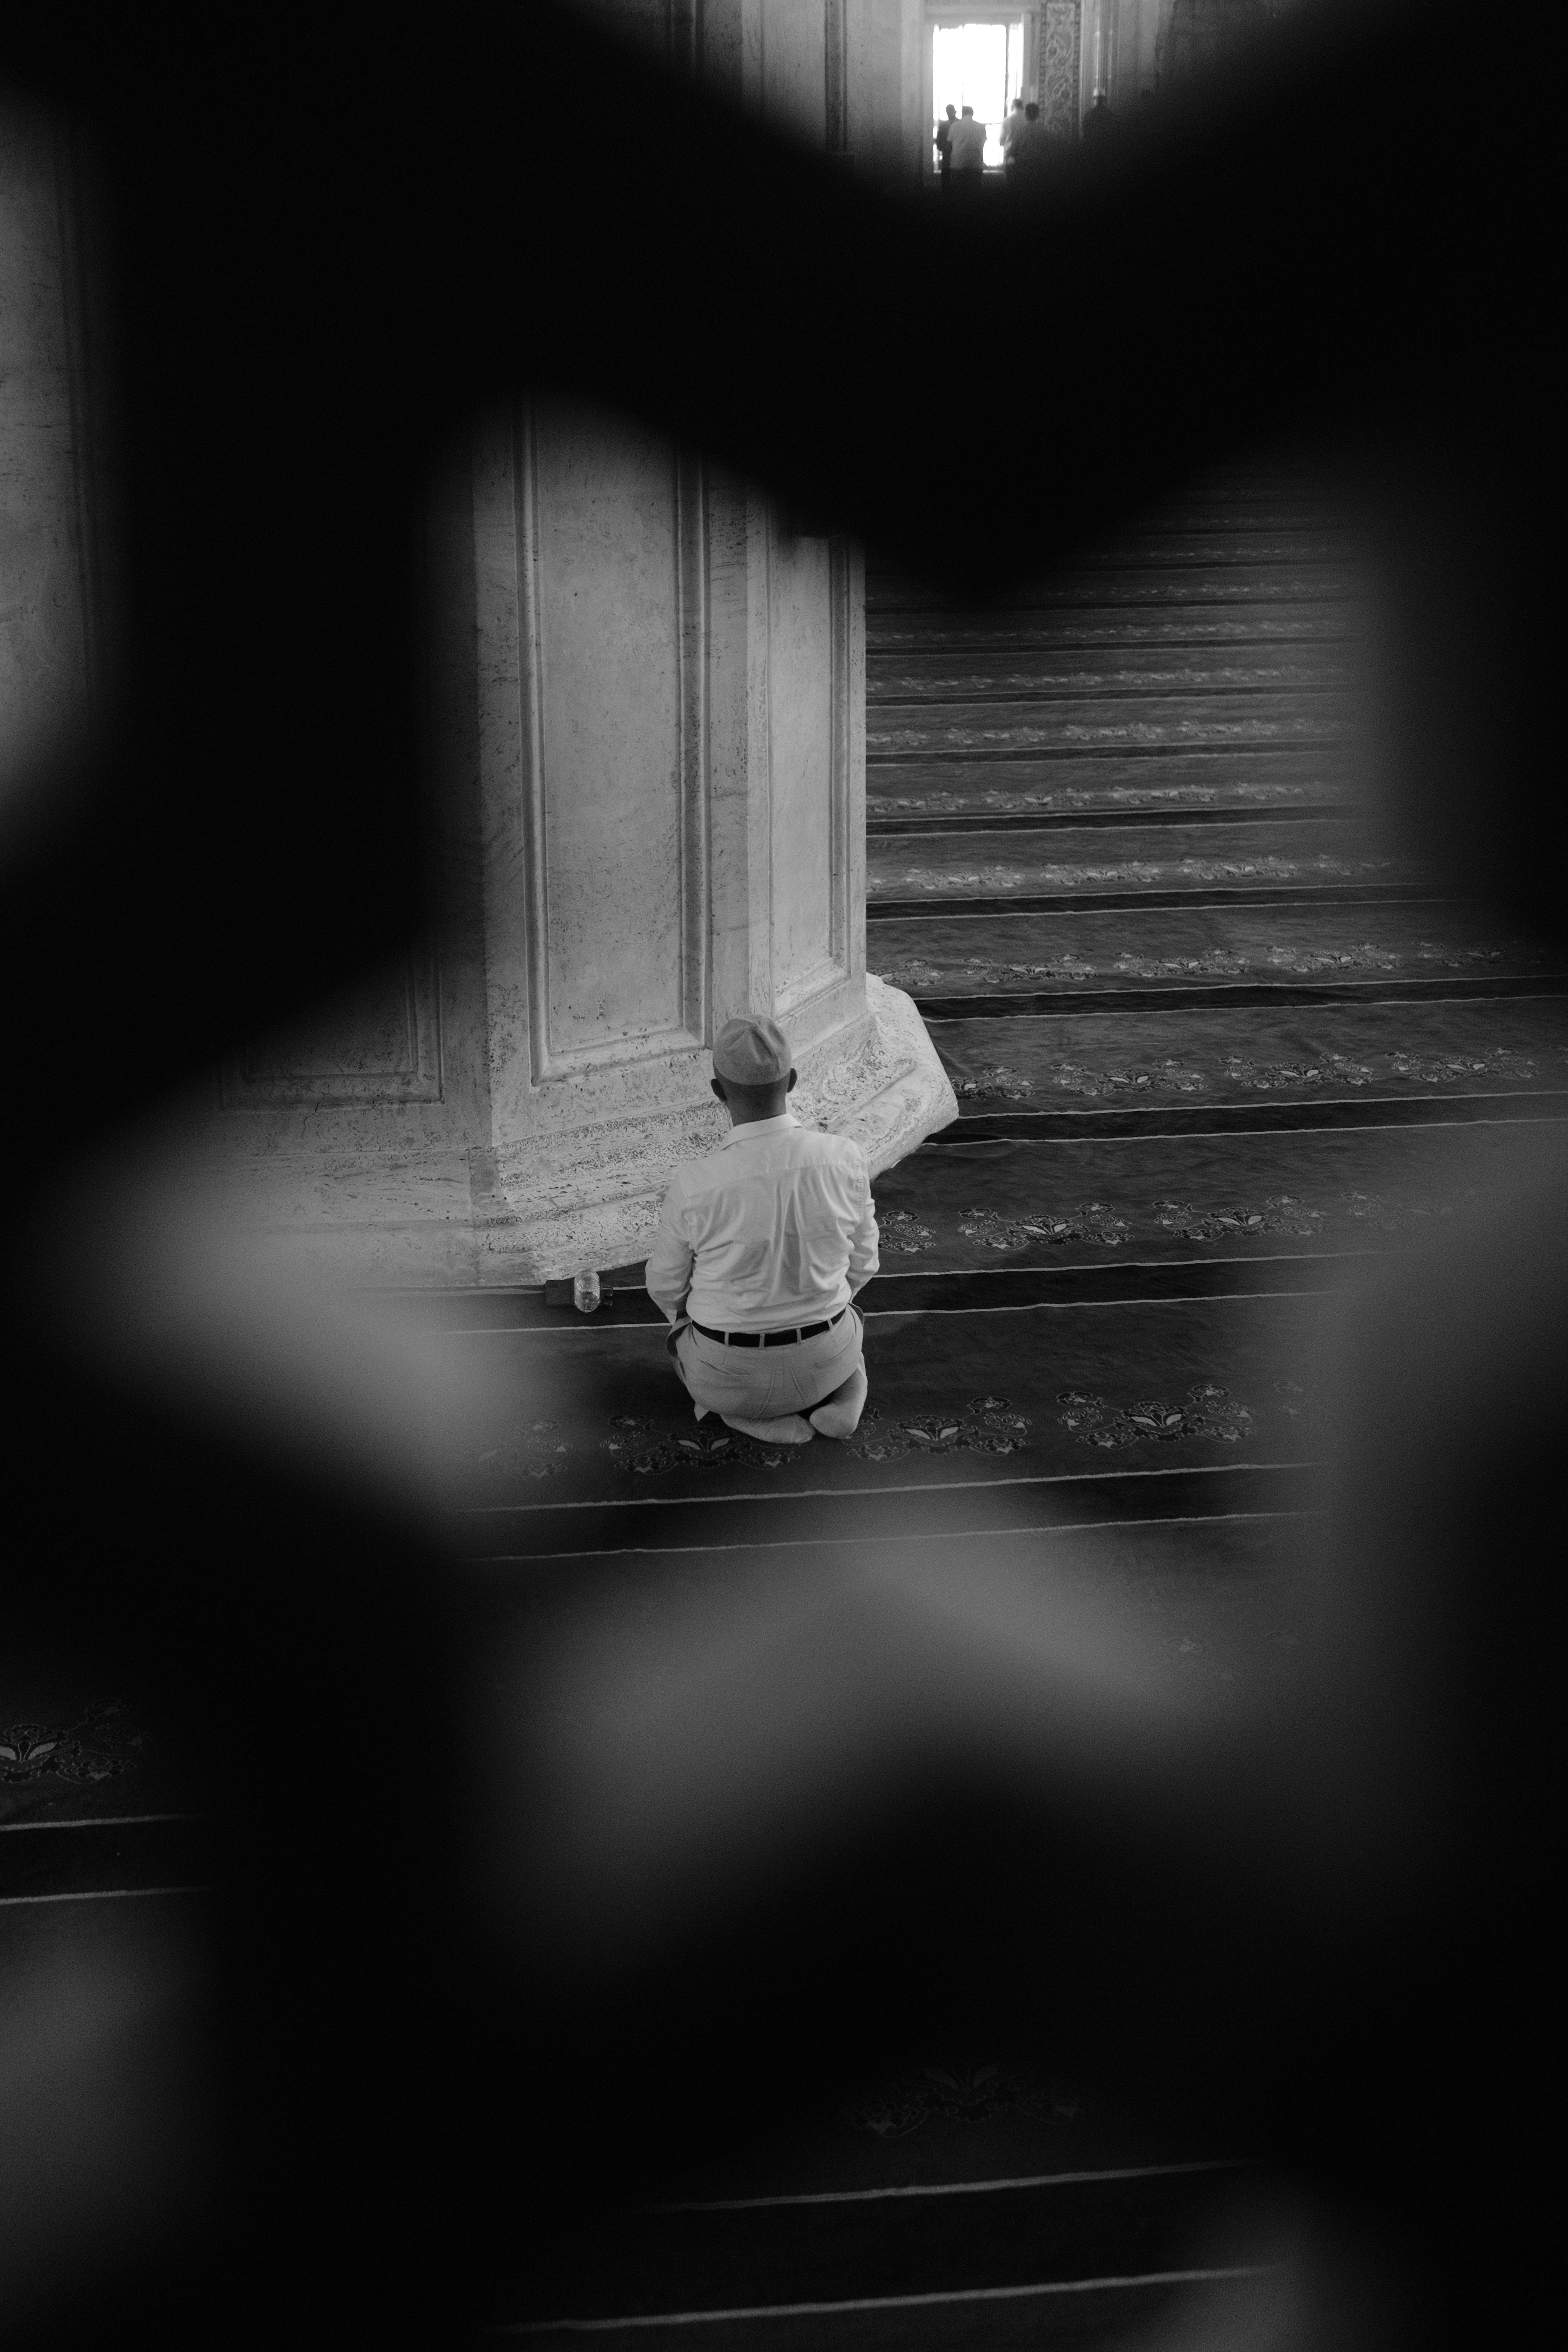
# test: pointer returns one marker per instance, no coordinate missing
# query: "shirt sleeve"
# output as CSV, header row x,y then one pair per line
x,y
863,1255
670,1262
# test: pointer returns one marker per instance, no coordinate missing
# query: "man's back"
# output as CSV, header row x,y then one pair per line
x,y
776,1227
968,150
1028,146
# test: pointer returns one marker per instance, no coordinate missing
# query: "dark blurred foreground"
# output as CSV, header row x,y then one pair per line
x,y
472,1905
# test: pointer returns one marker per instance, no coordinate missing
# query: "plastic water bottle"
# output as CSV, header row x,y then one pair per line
x,y
585,1291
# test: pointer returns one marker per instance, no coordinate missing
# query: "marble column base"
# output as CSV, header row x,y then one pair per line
x,y
479,1219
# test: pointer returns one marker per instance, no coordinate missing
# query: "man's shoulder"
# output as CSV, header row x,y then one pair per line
x,y
820,1147
805,1146
689,1176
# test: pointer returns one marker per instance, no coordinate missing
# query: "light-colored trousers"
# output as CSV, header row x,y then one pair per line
x,y
765,1383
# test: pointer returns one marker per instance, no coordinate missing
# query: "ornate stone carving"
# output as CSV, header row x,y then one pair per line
x,y
380,1044
1058,67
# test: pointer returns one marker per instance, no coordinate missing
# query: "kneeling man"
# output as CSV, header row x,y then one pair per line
x,y
760,1247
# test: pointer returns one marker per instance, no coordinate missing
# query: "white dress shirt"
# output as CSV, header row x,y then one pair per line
x,y
967,153
774,1229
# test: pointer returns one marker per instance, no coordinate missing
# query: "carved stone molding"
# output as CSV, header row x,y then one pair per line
x,y
820,810
614,801
835,60
380,1044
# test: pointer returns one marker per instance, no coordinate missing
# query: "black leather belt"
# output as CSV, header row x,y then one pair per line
x,y
770,1338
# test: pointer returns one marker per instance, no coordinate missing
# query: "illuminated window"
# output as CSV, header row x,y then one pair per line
x,y
981,66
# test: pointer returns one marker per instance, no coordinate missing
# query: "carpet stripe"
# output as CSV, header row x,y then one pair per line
x,y
831,1543
913,828
951,1141
1075,1305
874,1494
886,2302
947,2187
1200,996
881,1314
975,1290
1271,1119
1367,894
103,1822
100,1894
1066,902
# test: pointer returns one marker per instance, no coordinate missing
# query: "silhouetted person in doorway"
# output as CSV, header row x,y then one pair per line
x,y
1097,122
1027,152
1007,138
944,147
966,155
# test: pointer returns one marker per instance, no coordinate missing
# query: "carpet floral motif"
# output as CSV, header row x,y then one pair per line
x,y
1280,1213
1339,1069
1093,1222
993,1082
1444,1069
898,1232
970,2093
911,977
1161,672
982,973
1098,1223
1216,963
1210,1411
883,742
1367,956
989,1425
101,1745
644,1447
537,1452
987,801
1329,1069
1391,1216
1165,1078
1518,952
1126,873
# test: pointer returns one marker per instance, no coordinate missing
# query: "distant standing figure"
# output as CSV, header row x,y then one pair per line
x,y
1027,152
1007,140
944,146
1097,123
966,154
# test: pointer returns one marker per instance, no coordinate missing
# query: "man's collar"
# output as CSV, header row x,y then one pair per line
x,y
750,1127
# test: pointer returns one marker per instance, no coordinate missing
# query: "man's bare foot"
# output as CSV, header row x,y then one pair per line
x,y
839,1415
791,1431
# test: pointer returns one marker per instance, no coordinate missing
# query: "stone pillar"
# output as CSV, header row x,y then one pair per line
x,y
648,699
46,648
671,703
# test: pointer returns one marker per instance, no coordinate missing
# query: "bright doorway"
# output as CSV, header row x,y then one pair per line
x,y
979,65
